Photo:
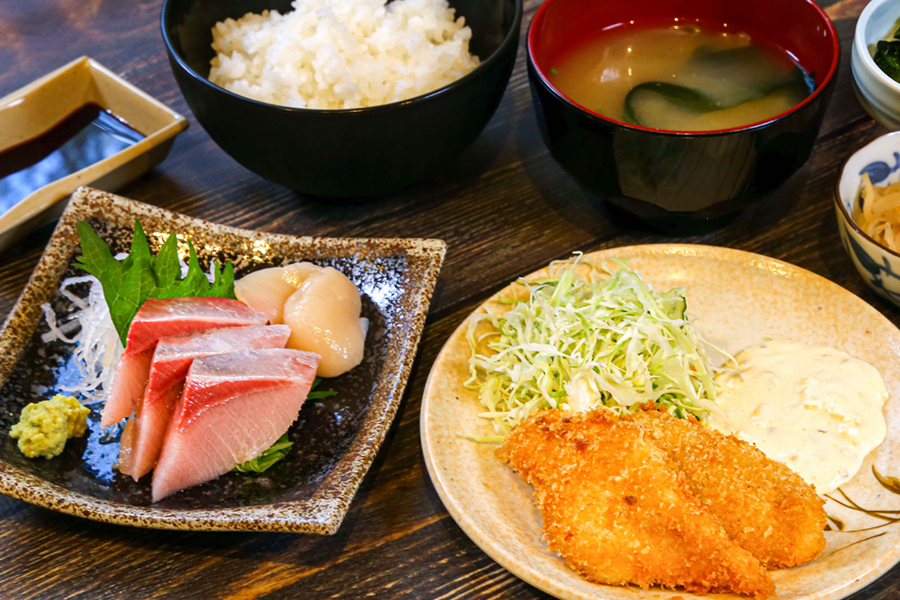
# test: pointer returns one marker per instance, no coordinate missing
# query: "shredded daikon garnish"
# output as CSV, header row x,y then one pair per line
x,y
879,215
586,337
96,343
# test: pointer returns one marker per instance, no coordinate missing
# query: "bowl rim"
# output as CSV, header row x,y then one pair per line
x,y
826,83
859,42
839,203
510,38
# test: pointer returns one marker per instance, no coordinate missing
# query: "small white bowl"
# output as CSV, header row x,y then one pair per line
x,y
877,265
878,93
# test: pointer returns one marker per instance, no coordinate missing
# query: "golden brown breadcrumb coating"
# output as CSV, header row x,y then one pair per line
x,y
619,510
763,505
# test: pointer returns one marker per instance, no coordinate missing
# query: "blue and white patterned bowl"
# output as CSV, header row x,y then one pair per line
x,y
877,265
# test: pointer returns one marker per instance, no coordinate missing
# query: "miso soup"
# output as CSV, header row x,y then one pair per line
x,y
681,77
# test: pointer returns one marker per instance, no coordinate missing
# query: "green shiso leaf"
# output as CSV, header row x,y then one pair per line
x,y
127,284
314,395
321,395
261,463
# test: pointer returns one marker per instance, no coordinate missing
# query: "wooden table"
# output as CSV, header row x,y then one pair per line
x,y
504,208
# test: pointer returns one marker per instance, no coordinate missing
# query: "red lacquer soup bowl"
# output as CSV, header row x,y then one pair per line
x,y
679,181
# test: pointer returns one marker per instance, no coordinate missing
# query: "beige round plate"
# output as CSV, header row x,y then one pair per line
x,y
737,299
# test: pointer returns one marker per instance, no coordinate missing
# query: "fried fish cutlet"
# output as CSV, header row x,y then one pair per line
x,y
764,506
619,511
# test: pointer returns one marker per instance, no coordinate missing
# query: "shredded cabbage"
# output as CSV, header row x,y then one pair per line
x,y
583,338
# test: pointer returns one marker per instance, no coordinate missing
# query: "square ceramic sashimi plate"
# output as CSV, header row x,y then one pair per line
x,y
335,439
738,299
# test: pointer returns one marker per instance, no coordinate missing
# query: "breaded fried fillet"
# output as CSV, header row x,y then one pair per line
x,y
619,511
763,505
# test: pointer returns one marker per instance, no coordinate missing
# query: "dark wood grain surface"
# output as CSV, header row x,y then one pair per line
x,y
504,208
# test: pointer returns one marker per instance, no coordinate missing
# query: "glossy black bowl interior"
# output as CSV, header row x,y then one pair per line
x,y
343,153
680,182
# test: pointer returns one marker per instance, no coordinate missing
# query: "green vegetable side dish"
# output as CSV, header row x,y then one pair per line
x,y
887,56
44,427
583,338
127,284
280,448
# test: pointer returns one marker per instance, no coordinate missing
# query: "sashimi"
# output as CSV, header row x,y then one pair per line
x,y
127,386
171,361
323,315
234,406
165,318
267,290
139,450
183,316
126,440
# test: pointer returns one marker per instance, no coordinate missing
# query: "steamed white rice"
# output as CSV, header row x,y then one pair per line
x,y
342,53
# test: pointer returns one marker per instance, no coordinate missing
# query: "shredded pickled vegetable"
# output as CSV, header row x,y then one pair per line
x,y
583,338
879,215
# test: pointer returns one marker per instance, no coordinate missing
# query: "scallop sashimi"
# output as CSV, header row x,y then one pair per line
x,y
267,290
234,407
165,318
171,360
323,315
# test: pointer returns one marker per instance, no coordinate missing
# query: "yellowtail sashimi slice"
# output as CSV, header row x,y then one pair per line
x,y
165,318
234,407
127,386
171,361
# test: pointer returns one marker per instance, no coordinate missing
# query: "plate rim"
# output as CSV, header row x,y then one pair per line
x,y
333,496
504,557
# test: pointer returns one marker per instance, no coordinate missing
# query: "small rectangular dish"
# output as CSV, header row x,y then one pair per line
x,y
335,439
38,107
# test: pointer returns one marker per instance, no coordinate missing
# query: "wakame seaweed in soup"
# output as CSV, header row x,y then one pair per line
x,y
684,77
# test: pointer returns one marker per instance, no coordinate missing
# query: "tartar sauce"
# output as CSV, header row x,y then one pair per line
x,y
816,409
